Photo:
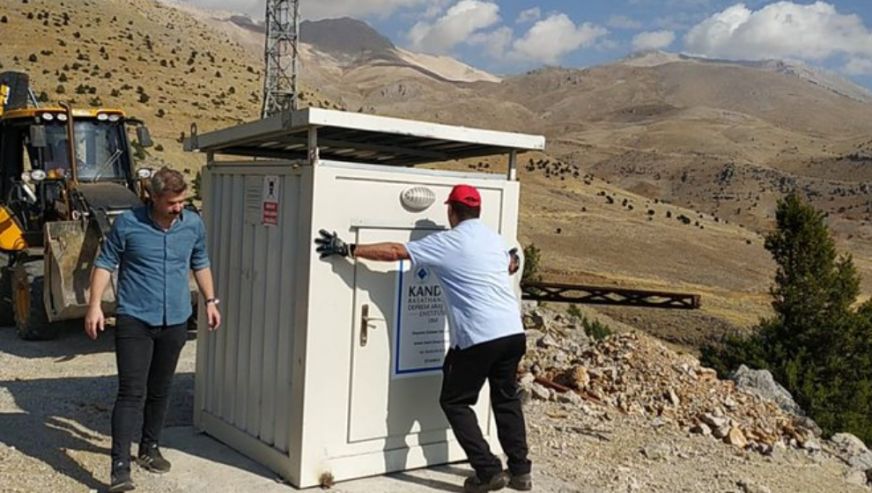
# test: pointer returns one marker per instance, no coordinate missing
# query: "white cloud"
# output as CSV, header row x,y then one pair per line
x,y
459,22
435,8
317,9
781,30
623,22
529,15
495,43
653,40
673,4
858,66
552,38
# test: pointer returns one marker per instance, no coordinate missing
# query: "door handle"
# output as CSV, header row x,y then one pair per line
x,y
365,320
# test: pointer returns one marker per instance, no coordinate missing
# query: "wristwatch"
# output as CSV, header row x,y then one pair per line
x,y
214,301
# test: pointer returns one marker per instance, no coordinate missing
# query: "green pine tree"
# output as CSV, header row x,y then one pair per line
x,y
816,344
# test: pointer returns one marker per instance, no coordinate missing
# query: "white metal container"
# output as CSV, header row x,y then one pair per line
x,y
331,368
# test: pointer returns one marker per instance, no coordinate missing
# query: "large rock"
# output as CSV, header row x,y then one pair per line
x,y
852,450
760,382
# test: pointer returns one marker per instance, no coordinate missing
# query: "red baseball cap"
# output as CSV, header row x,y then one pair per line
x,y
466,195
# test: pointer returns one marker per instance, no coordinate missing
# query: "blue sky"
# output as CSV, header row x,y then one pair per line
x,y
511,36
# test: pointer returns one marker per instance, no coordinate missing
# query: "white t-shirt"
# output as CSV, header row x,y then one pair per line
x,y
472,265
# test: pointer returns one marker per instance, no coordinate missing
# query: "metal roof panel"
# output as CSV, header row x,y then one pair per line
x,y
359,137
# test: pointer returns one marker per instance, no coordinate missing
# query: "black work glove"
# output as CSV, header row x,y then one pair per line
x,y
514,261
330,244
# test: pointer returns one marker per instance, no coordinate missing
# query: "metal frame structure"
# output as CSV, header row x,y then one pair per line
x,y
599,295
313,134
281,56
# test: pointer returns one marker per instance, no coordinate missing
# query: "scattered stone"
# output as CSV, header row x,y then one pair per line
x,y
673,398
540,392
701,429
747,486
656,451
569,398
527,380
534,320
812,445
639,376
548,341
852,450
737,438
856,476
714,421
809,424
721,433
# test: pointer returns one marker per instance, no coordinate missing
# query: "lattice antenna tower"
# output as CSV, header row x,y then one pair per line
x,y
281,56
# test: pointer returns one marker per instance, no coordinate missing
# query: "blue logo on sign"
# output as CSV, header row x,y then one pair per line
x,y
423,274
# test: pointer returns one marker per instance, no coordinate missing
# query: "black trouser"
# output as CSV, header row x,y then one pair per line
x,y
464,374
146,358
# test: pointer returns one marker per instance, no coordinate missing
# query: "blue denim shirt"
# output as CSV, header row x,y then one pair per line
x,y
154,265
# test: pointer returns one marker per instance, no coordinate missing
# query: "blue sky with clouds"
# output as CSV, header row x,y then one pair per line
x,y
510,36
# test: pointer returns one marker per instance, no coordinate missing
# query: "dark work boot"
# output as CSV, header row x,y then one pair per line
x,y
521,482
475,485
120,479
150,459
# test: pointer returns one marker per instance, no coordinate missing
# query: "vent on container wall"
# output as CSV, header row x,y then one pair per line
x,y
417,199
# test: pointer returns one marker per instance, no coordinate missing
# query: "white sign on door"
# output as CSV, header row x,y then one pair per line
x,y
421,334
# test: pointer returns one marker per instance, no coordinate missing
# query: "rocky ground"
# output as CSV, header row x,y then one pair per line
x,y
626,413
617,415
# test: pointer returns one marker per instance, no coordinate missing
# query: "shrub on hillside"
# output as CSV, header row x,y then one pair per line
x,y
816,345
594,329
531,264
197,187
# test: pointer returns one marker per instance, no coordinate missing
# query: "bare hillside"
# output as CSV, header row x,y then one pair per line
x,y
662,171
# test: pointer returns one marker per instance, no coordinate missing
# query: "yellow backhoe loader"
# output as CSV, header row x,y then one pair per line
x,y
65,174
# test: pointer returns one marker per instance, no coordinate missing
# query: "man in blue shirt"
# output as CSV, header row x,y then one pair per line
x,y
154,248
487,338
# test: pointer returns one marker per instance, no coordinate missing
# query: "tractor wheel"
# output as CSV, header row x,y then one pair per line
x,y
31,320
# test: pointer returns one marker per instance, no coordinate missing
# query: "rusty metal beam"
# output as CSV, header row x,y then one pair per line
x,y
600,295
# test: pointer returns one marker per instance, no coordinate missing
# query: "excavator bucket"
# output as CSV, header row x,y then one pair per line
x,y
71,247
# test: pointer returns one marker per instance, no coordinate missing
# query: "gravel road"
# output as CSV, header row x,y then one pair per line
x,y
56,399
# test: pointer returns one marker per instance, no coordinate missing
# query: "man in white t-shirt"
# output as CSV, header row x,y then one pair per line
x,y
487,338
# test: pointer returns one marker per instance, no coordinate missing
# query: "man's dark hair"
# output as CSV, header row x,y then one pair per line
x,y
464,212
167,180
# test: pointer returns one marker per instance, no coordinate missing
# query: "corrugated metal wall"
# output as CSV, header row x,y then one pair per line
x,y
249,361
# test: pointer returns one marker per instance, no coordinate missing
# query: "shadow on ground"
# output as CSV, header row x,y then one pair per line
x,y
70,344
46,418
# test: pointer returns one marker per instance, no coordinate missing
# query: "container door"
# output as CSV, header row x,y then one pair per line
x,y
400,340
